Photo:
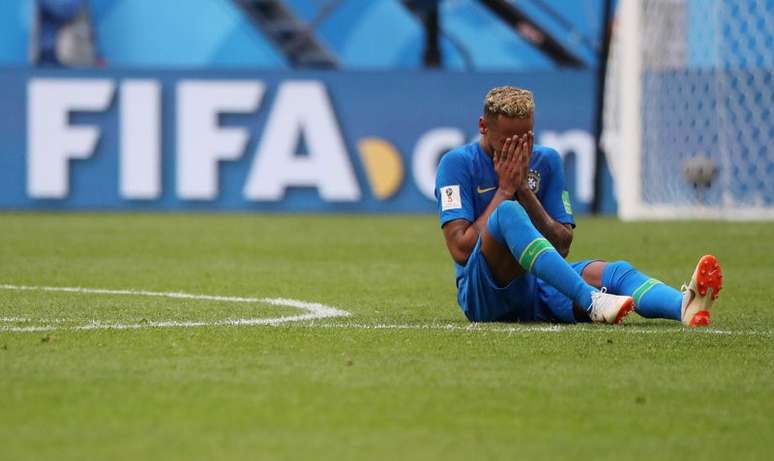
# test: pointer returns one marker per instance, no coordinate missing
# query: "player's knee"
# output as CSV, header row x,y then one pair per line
x,y
509,214
615,273
621,265
618,269
512,211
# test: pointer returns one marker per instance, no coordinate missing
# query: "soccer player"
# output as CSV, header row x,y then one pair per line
x,y
508,225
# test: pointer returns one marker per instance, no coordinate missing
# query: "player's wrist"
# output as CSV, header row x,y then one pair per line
x,y
507,192
522,190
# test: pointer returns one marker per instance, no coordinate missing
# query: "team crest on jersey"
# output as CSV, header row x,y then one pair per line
x,y
533,181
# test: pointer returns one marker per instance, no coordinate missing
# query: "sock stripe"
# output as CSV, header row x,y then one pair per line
x,y
532,251
642,289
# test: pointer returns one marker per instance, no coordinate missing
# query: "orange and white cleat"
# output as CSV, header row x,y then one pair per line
x,y
608,308
701,292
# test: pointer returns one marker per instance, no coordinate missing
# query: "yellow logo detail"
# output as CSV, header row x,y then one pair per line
x,y
484,191
383,166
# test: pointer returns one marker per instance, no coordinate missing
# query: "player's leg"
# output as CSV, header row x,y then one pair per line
x,y
655,299
512,245
652,298
554,306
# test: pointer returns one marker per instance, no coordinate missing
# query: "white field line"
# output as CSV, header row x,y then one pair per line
x,y
314,311
28,320
538,328
474,328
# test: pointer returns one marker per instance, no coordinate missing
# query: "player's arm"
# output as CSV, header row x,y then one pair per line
x,y
559,234
460,234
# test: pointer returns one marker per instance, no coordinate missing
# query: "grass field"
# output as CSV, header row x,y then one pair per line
x,y
401,378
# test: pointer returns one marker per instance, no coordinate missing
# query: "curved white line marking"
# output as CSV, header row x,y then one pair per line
x,y
15,319
314,311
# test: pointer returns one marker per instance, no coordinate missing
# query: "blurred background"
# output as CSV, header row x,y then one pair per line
x,y
659,108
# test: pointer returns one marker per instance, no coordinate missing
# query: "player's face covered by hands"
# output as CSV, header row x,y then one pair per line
x,y
497,130
511,162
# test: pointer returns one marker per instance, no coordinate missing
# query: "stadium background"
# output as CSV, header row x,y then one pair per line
x,y
379,91
383,111
180,334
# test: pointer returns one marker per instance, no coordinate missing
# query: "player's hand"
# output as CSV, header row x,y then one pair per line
x,y
508,165
525,155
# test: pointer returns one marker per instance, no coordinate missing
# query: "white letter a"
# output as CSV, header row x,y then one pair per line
x,y
302,108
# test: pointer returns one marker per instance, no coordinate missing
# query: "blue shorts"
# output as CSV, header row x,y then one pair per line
x,y
525,299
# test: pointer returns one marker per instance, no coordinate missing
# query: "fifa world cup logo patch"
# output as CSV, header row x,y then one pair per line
x,y
533,181
451,198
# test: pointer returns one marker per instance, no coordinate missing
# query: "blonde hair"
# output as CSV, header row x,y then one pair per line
x,y
509,101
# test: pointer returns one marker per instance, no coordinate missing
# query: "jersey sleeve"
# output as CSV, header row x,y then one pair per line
x,y
556,200
453,193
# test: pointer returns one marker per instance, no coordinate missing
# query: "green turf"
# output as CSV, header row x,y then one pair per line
x,y
644,390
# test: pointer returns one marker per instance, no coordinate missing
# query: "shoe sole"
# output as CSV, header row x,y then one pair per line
x,y
708,281
626,307
700,319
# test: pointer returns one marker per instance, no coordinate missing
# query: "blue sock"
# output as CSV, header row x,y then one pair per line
x,y
652,298
510,225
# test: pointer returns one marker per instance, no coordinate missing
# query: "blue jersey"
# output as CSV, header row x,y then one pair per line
x,y
466,182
